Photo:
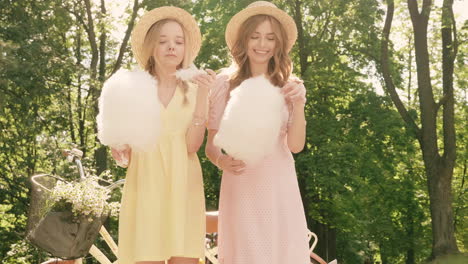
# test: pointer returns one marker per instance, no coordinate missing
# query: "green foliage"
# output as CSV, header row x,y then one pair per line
x,y
361,174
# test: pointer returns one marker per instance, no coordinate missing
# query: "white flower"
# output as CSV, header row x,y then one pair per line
x,y
87,197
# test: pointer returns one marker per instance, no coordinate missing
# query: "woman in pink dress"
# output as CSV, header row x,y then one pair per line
x,y
261,215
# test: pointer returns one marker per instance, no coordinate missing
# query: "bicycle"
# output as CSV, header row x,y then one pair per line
x,y
41,187
44,182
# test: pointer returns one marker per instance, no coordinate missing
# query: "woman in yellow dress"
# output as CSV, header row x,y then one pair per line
x,y
162,218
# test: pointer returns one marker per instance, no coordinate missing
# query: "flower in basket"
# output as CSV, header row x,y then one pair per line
x,y
71,218
84,198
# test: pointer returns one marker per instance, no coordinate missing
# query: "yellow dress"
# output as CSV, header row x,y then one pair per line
x,y
163,208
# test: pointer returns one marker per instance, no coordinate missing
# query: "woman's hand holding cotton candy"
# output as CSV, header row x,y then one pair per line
x,y
122,155
295,92
228,163
205,81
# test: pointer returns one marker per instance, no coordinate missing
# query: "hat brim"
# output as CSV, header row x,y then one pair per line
x,y
287,22
192,30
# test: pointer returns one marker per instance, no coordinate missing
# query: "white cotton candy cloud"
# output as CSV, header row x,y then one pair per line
x,y
129,111
188,73
251,124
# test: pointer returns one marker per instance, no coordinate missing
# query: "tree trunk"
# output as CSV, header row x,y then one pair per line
x,y
331,244
409,219
383,255
300,36
123,45
441,211
409,256
439,169
326,246
100,153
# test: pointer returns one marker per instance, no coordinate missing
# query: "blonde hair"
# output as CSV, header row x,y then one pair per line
x,y
279,66
149,44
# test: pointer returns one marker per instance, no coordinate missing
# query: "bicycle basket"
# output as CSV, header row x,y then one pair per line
x,y
58,233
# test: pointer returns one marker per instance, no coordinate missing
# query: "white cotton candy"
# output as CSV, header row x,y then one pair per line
x,y
251,123
188,73
129,111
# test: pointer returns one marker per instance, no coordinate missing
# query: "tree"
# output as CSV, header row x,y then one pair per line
x,y
93,22
438,167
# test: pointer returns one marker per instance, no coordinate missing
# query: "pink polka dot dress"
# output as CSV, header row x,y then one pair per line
x,y
261,216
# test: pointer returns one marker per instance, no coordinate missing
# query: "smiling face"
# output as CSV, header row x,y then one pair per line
x,y
170,45
261,43
261,46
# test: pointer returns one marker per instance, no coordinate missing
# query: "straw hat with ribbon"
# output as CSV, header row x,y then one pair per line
x,y
261,8
192,31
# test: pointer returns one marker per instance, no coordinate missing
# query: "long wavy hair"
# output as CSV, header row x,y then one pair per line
x,y
279,66
151,42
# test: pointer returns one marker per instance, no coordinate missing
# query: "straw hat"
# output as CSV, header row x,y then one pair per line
x,y
192,30
261,8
